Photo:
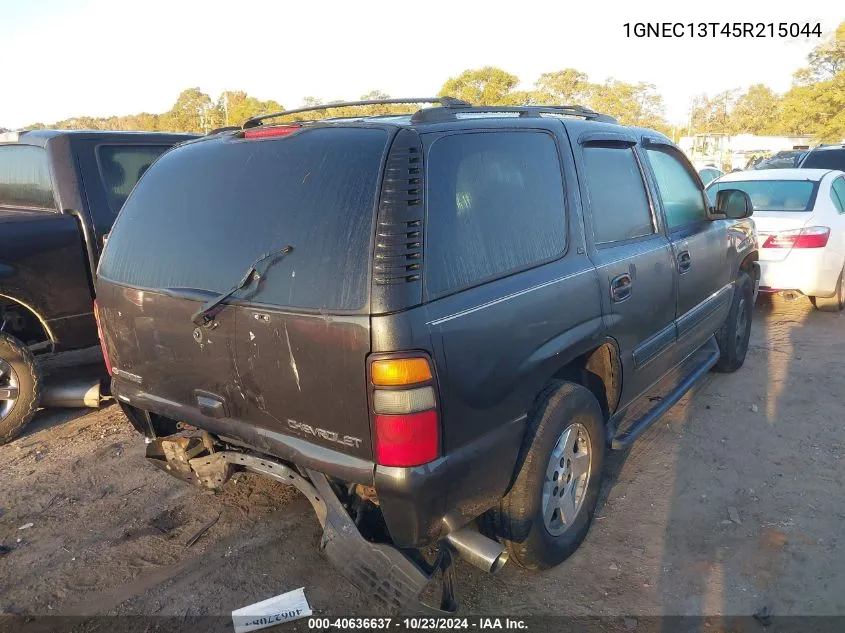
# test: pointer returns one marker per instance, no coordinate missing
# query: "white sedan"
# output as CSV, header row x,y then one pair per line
x,y
800,220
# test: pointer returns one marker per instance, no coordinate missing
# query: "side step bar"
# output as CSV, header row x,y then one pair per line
x,y
637,428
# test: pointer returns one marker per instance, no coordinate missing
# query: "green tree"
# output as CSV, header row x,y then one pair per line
x,y
631,104
826,60
816,109
713,114
481,86
816,102
233,107
758,111
563,87
192,112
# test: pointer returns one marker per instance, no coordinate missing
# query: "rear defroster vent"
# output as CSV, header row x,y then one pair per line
x,y
398,256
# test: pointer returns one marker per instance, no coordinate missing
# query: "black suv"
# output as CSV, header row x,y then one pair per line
x,y
60,191
422,320
825,157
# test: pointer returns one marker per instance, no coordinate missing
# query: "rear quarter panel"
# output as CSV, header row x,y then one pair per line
x,y
44,265
494,347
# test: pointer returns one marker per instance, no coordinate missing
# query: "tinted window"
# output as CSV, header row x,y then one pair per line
x,y
120,168
707,175
825,159
837,192
205,211
683,201
25,177
495,206
772,195
618,199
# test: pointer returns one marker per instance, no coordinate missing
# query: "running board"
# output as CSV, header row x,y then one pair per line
x,y
691,369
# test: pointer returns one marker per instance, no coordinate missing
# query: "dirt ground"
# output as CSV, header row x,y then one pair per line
x,y
732,503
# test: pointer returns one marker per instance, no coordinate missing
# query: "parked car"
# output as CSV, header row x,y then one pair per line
x,y
709,174
800,219
59,194
404,317
825,157
782,160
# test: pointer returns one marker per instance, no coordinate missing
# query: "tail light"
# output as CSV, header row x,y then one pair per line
x,y
808,237
101,337
267,132
407,426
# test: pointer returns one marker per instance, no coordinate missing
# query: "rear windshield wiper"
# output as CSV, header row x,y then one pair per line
x,y
203,315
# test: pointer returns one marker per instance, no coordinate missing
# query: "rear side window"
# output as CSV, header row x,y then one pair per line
x,y
206,210
495,206
121,166
683,200
25,178
825,159
618,203
837,192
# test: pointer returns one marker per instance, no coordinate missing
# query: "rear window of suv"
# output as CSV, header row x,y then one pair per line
x,y
206,210
825,159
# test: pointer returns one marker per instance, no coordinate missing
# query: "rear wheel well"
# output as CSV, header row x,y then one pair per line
x,y
600,371
747,266
20,321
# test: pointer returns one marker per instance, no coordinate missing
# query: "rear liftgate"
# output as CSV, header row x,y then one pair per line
x,y
378,569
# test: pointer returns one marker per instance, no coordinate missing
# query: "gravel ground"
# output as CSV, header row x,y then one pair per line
x,y
730,504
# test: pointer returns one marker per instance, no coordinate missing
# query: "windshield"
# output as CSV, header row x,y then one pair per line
x,y
826,159
784,160
771,195
206,210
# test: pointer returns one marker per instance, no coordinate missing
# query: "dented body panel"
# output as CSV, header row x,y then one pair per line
x,y
288,374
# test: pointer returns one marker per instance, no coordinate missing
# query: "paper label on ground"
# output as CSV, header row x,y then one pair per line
x,y
277,610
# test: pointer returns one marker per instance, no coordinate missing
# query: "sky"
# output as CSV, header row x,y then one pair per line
x,y
93,57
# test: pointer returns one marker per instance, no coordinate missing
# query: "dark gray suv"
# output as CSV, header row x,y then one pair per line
x,y
432,324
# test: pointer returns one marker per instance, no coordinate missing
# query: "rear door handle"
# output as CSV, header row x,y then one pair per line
x,y
684,261
620,287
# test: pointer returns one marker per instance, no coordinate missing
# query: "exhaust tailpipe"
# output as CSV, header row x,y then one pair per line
x,y
478,550
73,393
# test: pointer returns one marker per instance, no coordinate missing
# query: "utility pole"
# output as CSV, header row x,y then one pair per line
x,y
226,108
689,123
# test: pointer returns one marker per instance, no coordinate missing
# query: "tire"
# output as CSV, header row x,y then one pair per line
x,y
518,522
735,333
835,303
17,369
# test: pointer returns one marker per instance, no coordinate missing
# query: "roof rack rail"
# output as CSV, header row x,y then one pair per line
x,y
446,102
227,128
438,114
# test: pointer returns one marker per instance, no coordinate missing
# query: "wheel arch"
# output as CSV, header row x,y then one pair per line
x,y
36,322
598,369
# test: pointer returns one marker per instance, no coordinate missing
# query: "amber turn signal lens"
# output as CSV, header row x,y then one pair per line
x,y
400,371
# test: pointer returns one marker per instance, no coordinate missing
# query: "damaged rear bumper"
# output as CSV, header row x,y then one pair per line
x,y
380,570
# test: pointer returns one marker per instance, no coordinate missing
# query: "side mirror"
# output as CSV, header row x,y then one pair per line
x,y
735,204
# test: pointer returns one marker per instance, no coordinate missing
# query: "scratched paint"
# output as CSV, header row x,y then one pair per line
x,y
292,359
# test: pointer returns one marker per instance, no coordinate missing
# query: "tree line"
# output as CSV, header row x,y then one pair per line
x,y
813,106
